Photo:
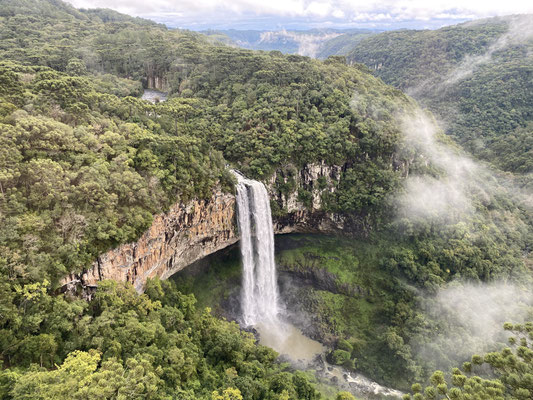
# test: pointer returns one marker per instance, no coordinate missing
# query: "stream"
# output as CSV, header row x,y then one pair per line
x,y
216,281
308,354
256,301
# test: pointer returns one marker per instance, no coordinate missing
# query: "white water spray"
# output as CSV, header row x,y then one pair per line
x,y
260,298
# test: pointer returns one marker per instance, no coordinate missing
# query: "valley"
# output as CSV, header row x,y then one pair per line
x,y
336,214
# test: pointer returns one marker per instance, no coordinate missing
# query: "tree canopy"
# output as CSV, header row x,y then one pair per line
x,y
476,77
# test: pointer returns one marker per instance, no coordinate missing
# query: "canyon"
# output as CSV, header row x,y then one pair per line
x,y
190,231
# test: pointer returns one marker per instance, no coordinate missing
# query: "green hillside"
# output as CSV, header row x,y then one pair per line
x,y
85,164
477,77
343,44
316,43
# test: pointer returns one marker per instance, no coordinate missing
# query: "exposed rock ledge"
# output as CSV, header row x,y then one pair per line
x,y
315,179
189,232
175,240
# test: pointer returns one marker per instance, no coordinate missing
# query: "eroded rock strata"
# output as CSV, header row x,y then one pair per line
x,y
175,239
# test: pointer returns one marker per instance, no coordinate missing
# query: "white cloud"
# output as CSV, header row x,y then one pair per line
x,y
391,11
338,13
320,9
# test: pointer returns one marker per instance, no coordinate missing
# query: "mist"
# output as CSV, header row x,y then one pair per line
x,y
448,187
449,178
470,318
308,44
445,184
519,32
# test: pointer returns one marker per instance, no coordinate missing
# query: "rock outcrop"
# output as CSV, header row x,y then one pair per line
x,y
157,82
301,203
176,239
189,232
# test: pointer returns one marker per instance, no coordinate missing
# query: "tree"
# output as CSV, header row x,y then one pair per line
x,y
76,66
344,396
227,394
513,370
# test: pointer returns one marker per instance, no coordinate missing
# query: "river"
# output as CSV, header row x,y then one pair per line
x,y
308,354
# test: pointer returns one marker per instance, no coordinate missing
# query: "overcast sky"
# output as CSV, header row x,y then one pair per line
x,y
300,14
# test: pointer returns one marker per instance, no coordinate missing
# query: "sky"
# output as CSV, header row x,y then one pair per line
x,y
306,14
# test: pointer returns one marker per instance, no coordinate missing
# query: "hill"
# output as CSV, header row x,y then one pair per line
x,y
476,77
317,43
86,164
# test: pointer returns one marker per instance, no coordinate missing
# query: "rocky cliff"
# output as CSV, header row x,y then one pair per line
x,y
189,232
177,238
157,82
299,196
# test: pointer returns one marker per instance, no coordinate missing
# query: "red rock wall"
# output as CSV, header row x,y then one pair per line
x,y
189,232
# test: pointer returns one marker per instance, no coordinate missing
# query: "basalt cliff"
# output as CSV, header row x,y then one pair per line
x,y
189,232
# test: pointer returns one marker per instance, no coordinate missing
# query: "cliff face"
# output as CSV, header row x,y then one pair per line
x,y
301,203
160,83
189,232
176,239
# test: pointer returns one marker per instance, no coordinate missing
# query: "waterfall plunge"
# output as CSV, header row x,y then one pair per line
x,y
260,299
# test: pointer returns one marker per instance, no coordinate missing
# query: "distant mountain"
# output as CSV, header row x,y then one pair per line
x,y
342,44
477,77
319,43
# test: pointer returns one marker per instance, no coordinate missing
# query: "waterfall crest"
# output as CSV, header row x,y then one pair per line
x,y
260,298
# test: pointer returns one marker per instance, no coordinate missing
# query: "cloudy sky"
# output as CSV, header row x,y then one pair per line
x,y
302,14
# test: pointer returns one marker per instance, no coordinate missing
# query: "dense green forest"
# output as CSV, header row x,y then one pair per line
x,y
369,299
512,368
477,77
343,44
122,345
85,164
107,161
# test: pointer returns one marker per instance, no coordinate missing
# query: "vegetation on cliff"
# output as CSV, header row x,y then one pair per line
x,y
85,164
122,345
505,374
364,300
84,170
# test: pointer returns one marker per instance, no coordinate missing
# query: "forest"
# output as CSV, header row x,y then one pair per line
x,y
85,164
476,77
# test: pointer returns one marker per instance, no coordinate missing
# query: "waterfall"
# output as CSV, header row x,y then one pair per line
x,y
260,303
